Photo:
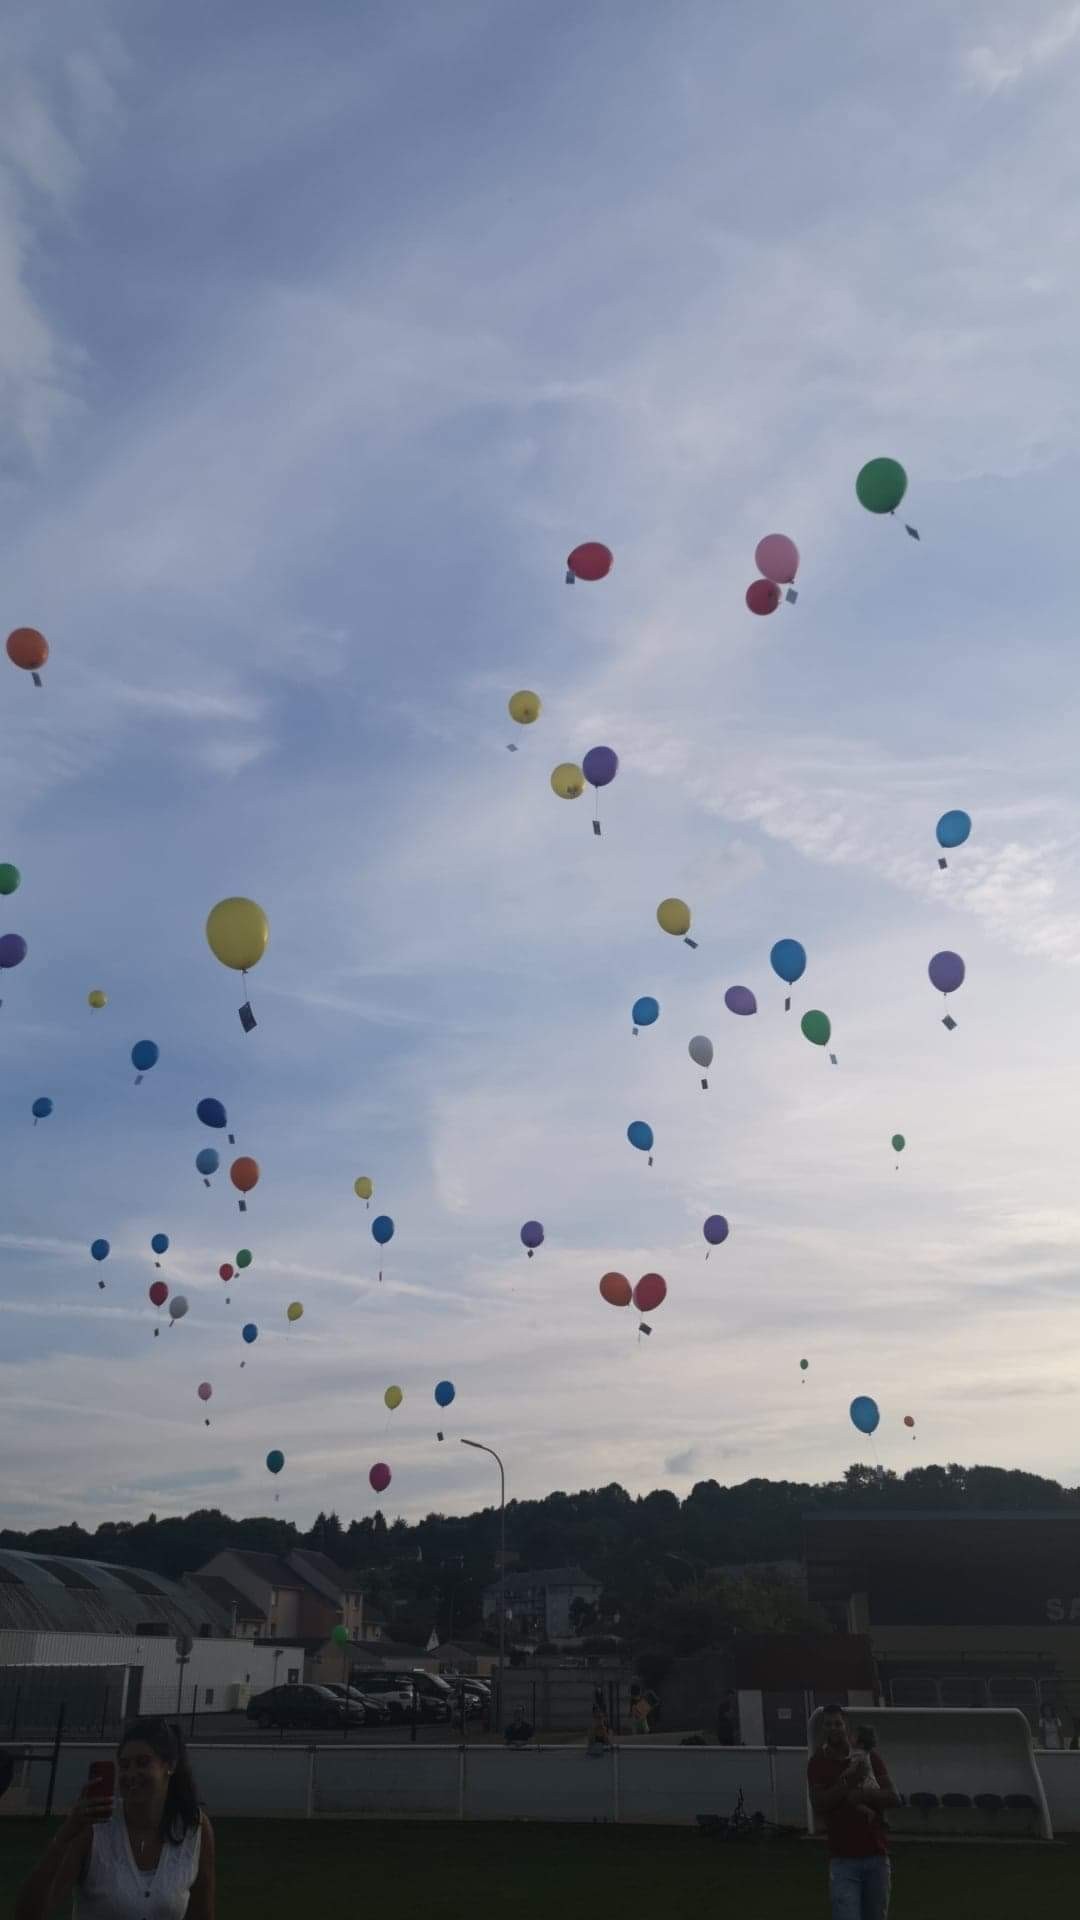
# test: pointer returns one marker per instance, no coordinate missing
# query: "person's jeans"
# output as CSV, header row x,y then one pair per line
x,y
859,1889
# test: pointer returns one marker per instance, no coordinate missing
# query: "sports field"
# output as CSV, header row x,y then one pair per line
x,y
273,1870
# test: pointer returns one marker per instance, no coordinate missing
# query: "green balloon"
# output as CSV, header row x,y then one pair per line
x,y
817,1028
243,1258
899,1143
9,877
881,485
804,1364
340,1636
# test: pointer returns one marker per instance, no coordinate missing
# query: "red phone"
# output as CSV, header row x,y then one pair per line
x,y
101,1786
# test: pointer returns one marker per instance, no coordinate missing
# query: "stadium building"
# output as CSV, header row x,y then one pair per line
x,y
960,1609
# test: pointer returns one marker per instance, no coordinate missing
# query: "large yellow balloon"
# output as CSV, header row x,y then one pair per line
x,y
295,1311
237,931
524,707
363,1188
393,1397
95,998
568,781
674,916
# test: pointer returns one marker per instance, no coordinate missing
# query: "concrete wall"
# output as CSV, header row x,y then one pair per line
x,y
648,1783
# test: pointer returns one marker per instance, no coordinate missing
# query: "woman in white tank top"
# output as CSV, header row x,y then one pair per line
x,y
148,1857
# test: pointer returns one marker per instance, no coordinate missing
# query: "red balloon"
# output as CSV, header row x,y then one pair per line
x,y
380,1476
650,1292
27,648
159,1293
908,1421
225,1272
763,596
244,1173
591,561
615,1288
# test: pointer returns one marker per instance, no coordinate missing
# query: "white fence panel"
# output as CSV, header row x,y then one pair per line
x,y
419,1783
664,1784
539,1783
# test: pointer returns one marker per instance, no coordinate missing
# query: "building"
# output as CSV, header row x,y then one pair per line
x,y
961,1608
300,1595
538,1605
123,1625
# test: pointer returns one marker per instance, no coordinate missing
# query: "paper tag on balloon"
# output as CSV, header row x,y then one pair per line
x,y
913,531
949,1023
569,577
832,1057
247,1018
36,678
687,942
596,826
791,596
644,1329
943,862
511,748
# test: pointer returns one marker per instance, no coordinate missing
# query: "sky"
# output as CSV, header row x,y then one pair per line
x,y
325,333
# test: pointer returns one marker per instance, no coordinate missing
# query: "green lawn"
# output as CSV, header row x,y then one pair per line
x,y
277,1869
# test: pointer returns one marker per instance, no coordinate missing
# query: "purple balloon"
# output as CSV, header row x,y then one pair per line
x,y
600,766
12,949
946,971
715,1229
740,1000
532,1234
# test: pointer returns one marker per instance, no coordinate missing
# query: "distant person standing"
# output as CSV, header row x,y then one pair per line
x,y
599,1741
1051,1735
850,1790
725,1721
519,1732
639,1711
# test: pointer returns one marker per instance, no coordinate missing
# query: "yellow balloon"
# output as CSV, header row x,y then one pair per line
x,y
295,1311
95,998
237,931
674,916
524,707
568,781
363,1188
393,1397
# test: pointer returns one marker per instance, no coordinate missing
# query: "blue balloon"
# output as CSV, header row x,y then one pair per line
x,y
444,1393
275,1459
42,1108
99,1249
864,1413
207,1160
160,1243
953,828
640,1135
382,1228
250,1332
645,1011
211,1113
144,1055
788,959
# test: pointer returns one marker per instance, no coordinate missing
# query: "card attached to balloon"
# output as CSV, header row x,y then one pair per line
x,y
949,1022
247,1018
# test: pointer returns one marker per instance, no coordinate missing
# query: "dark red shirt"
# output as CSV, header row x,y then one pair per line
x,y
851,1834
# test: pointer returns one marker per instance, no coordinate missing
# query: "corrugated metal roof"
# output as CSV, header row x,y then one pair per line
x,y
59,1593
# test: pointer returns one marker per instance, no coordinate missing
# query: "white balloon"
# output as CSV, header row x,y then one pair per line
x,y
701,1050
178,1306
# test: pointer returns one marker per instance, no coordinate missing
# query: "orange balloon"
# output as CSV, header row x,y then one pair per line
x,y
615,1288
244,1173
27,648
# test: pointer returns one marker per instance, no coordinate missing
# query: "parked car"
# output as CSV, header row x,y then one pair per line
x,y
394,1693
376,1712
301,1706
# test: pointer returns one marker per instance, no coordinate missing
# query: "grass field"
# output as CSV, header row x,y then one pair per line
x,y
275,1870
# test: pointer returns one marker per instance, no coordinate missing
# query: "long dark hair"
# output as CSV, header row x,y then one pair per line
x,y
181,1812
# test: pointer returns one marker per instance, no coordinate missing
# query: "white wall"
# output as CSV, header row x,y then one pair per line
x,y
216,1664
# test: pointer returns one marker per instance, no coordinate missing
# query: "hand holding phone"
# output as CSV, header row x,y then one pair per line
x,y
100,1789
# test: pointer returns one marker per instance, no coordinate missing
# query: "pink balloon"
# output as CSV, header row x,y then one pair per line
x,y
763,596
650,1292
380,1476
205,1390
777,558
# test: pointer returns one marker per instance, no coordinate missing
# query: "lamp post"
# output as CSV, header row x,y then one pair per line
x,y
480,1447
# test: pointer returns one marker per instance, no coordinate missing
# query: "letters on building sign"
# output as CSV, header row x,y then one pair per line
x,y
1064,1610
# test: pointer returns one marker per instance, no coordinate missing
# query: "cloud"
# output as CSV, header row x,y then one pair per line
x,y
992,67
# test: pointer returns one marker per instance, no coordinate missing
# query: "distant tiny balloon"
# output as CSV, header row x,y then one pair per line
x,y
640,1135
864,1413
898,1143
803,1365
524,707
205,1390
444,1393
645,1011
532,1236
12,950
363,1188
97,999
615,1288
393,1397
674,917
42,1107
947,971
249,1333
211,1113
207,1160
159,1292
144,1055
159,1243
908,1421
275,1460
178,1306
568,781
243,1258
763,596
650,1292
953,828
10,877
788,959
600,766
590,561
740,1000
817,1027
226,1271
715,1229
777,558
295,1310
379,1476
99,1249
700,1050
382,1229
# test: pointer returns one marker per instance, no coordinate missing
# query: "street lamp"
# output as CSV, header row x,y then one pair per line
x,y
480,1447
